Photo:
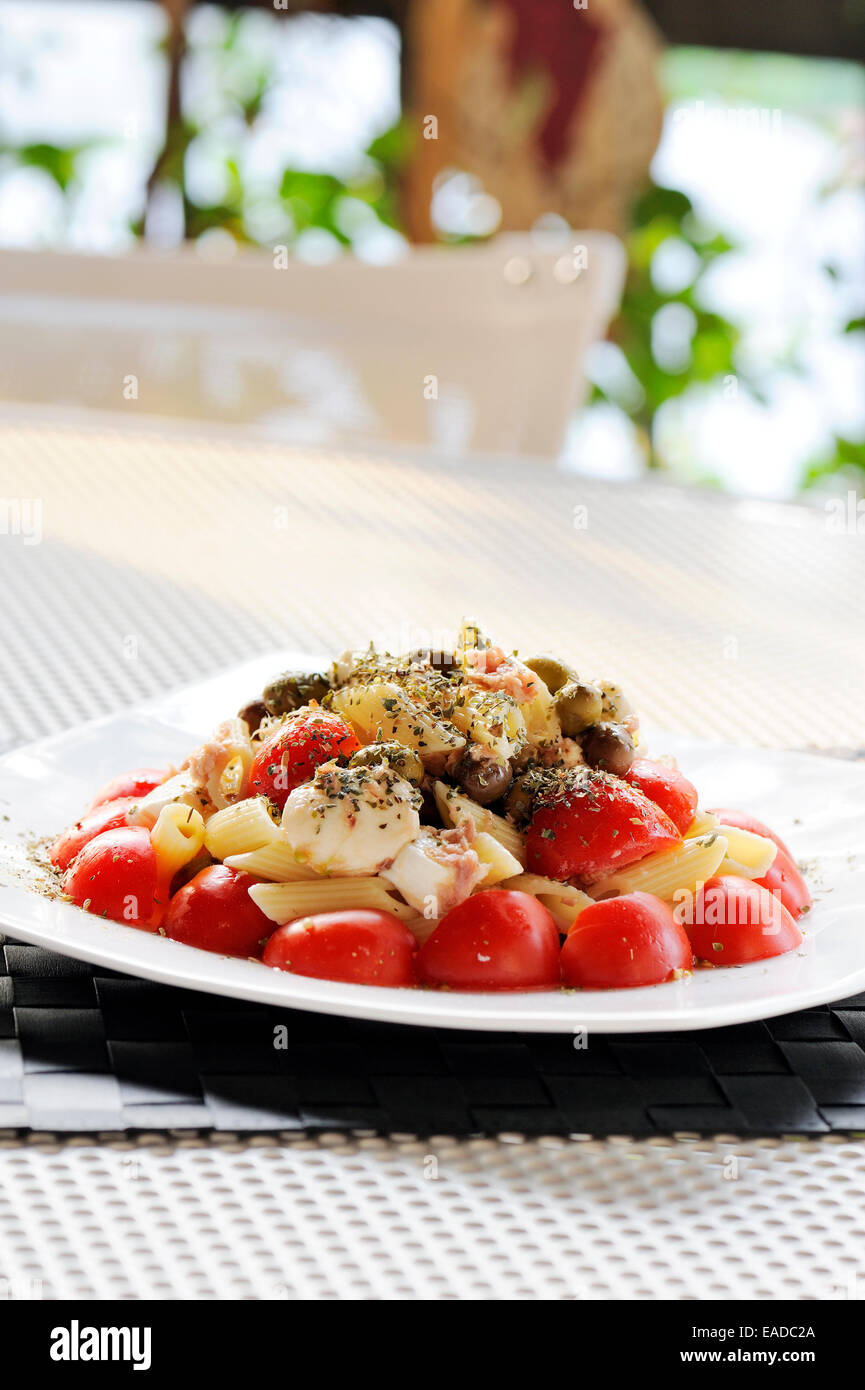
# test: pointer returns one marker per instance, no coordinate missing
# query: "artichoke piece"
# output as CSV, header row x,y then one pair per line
x,y
405,762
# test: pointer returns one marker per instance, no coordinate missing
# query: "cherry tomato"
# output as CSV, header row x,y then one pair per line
x,y
498,939
293,752
599,825
624,942
733,920
363,947
667,788
214,911
108,815
745,821
782,879
115,876
136,783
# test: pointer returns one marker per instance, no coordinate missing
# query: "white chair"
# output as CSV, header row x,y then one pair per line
x,y
449,348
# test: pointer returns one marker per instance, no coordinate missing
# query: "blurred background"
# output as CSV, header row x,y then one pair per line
x,y
724,146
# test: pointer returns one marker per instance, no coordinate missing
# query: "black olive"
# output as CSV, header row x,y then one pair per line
x,y
445,662
429,812
483,778
253,712
294,689
608,747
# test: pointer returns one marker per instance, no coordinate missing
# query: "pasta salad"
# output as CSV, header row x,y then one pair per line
x,y
465,820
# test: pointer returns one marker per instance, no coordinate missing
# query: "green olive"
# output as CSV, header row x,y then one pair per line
x,y
608,747
294,689
554,674
404,761
520,800
578,705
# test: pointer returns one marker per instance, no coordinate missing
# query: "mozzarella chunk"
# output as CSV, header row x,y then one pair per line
x,y
351,820
438,870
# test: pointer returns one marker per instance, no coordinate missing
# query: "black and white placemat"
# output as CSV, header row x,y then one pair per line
x,y
84,1051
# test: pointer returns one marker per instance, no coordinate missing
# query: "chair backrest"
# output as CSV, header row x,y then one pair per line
x,y
477,347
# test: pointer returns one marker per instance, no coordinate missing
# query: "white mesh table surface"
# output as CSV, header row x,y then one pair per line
x,y
162,558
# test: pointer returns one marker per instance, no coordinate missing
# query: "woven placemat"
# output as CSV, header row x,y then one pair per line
x,y
84,1050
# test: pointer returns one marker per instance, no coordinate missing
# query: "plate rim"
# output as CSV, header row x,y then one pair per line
x,y
400,1005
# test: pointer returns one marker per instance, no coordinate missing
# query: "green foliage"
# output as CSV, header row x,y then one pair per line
x,y
59,162
846,458
659,215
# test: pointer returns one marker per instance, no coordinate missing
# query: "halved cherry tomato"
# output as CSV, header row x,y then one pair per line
x,y
599,825
745,821
785,882
733,920
115,876
498,939
363,947
621,943
667,788
782,879
108,815
293,752
215,912
136,783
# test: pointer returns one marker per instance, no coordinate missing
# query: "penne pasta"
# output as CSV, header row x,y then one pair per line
x,y
240,828
682,868
499,862
177,837
223,764
454,806
748,855
702,824
563,902
232,781
275,861
283,902
421,927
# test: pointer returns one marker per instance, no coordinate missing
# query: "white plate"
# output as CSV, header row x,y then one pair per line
x,y
817,804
